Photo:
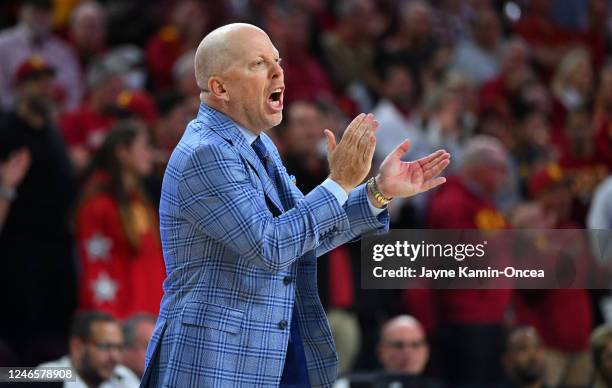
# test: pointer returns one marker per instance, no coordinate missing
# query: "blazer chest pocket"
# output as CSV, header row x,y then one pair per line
x,y
212,316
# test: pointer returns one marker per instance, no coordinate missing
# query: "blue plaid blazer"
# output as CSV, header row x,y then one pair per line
x,y
234,271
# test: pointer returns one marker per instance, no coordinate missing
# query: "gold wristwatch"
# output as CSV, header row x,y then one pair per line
x,y
372,188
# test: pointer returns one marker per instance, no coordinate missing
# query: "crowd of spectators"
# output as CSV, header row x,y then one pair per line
x,y
95,94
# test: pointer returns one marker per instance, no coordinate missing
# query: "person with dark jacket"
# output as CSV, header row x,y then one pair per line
x,y
38,289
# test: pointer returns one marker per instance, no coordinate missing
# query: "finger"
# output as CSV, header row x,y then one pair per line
x,y
331,140
369,131
424,161
352,127
430,184
363,127
371,147
435,161
437,169
401,149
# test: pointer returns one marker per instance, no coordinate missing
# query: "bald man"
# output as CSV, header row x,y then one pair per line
x,y
240,241
403,347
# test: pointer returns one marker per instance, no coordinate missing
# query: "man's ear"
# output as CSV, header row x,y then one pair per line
x,y
217,89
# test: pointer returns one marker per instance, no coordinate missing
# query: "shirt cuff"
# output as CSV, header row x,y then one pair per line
x,y
336,190
375,211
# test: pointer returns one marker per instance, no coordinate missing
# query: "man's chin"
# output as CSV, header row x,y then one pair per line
x,y
274,119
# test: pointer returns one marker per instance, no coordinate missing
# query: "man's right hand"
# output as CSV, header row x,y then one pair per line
x,y
351,159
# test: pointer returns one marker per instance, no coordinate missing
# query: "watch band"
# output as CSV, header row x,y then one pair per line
x,y
372,188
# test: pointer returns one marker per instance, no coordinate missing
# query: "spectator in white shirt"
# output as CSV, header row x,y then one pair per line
x,y
32,36
96,350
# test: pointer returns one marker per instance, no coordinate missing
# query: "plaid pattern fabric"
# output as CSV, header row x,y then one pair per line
x,y
234,271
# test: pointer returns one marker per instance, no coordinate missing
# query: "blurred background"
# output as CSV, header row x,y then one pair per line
x,y
94,95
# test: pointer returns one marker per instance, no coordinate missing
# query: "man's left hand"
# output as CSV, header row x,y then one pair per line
x,y
398,179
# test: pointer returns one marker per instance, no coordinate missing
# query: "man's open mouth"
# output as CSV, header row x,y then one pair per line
x,y
275,99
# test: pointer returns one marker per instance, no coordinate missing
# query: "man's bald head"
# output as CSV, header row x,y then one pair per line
x,y
219,49
399,322
403,347
238,71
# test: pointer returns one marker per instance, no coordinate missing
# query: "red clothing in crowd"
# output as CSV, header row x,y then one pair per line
x,y
455,206
549,311
163,49
305,79
85,127
115,277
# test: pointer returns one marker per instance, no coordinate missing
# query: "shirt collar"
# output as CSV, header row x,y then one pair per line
x,y
249,136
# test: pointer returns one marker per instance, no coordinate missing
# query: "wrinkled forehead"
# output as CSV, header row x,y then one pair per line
x,y
248,44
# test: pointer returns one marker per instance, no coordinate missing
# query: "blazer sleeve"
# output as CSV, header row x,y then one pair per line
x,y
216,195
361,221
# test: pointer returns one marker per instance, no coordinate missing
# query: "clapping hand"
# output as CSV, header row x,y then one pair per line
x,y
398,179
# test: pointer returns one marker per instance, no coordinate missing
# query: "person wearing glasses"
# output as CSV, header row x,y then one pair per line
x,y
96,351
403,347
403,353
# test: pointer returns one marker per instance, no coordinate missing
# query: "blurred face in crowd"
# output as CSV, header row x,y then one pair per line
x,y
137,158
416,21
524,357
134,354
515,57
95,359
581,77
304,130
37,19
88,28
535,129
399,87
487,29
557,200
38,92
190,18
403,347
491,176
251,86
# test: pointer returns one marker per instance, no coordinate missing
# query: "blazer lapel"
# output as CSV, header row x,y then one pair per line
x,y
228,130
247,152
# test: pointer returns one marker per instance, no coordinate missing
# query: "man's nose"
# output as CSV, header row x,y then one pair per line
x,y
277,70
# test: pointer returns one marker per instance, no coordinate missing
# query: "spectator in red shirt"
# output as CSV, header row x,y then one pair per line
x,y
85,127
566,339
595,36
498,93
187,24
602,116
122,268
548,40
468,324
